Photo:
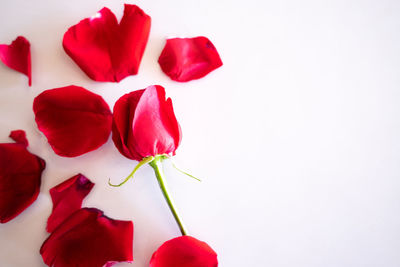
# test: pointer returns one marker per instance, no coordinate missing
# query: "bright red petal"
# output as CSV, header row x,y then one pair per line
x,y
145,124
134,31
185,59
67,198
17,56
20,177
124,111
74,120
106,50
89,239
184,251
155,129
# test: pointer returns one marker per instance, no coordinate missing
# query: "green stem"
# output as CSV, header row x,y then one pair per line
x,y
156,164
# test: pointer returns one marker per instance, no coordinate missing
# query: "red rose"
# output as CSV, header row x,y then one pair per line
x,y
145,129
144,124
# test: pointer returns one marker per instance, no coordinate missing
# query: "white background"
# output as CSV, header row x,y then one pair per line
x,y
296,137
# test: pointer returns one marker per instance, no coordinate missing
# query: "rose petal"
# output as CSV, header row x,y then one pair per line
x,y
88,238
185,59
19,137
124,111
154,127
20,177
74,120
17,56
144,124
67,198
184,251
106,50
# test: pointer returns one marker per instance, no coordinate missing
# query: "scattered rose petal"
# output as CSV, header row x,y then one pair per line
x,y
20,177
19,137
74,120
67,198
88,238
185,59
17,56
144,124
106,50
184,251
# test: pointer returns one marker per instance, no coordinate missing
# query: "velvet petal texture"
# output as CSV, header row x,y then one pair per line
x,y
17,56
144,124
73,119
185,59
89,239
184,251
67,198
20,176
19,137
105,49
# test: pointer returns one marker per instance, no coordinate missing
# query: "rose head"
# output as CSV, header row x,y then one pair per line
x,y
144,124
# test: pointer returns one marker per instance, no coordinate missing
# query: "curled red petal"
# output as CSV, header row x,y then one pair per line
x,y
19,137
105,49
20,178
123,113
74,120
155,129
144,124
186,59
17,56
184,251
88,238
67,198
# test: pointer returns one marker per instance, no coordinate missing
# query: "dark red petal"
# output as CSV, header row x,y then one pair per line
x,y
89,239
67,198
17,56
106,50
20,177
184,251
124,111
74,120
185,59
145,124
19,137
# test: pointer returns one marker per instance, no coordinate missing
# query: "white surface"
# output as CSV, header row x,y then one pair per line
x,y
296,137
